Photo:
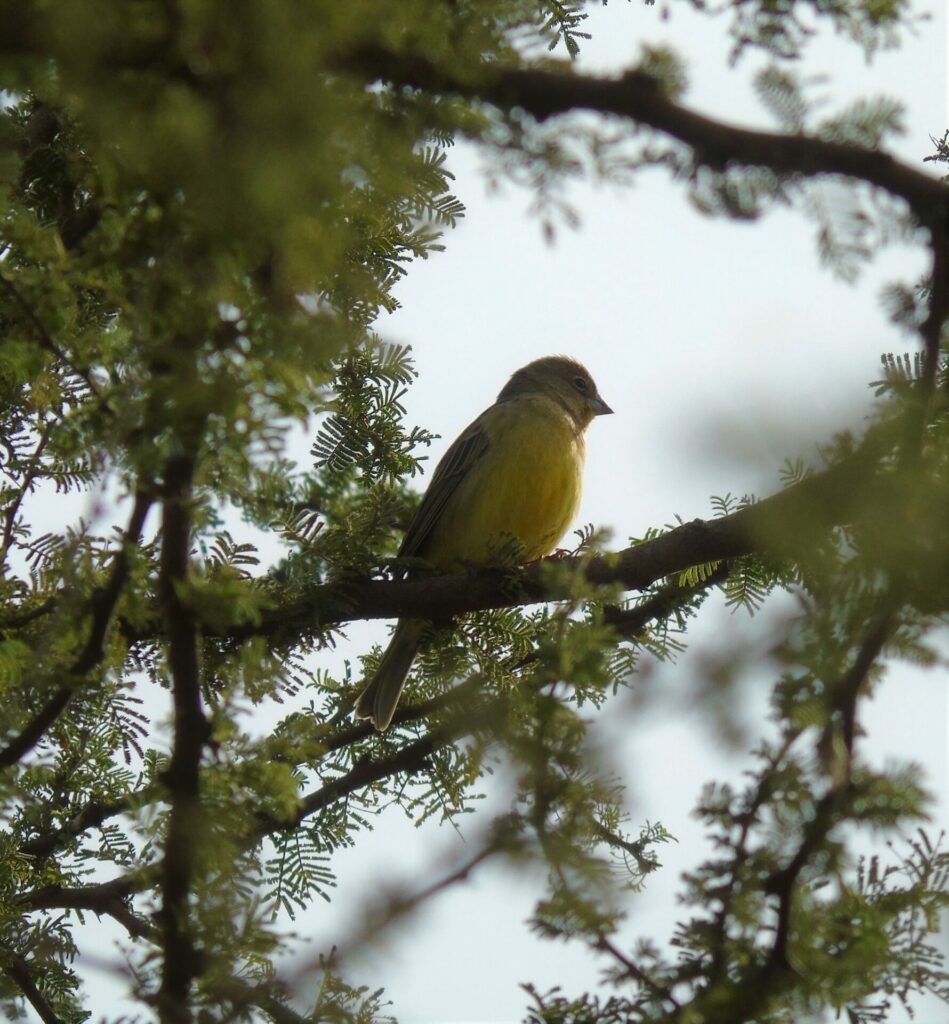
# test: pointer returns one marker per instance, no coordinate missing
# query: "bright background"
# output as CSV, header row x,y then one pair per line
x,y
723,348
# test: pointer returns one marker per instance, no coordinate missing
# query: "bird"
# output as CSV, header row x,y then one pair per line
x,y
503,494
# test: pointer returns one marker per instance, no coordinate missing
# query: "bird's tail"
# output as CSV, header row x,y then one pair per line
x,y
377,702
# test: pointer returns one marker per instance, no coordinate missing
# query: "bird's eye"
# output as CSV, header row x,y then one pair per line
x,y
579,383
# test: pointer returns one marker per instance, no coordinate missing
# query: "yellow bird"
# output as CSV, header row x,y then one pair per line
x,y
504,493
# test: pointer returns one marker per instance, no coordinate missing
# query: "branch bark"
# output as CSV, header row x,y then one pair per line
x,y
18,970
180,961
107,898
544,93
101,607
786,524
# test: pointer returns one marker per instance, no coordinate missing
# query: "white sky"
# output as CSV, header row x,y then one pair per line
x,y
723,348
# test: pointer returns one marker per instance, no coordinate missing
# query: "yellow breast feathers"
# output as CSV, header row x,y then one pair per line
x,y
517,500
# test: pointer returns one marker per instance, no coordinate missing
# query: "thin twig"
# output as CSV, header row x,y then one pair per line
x,y
105,899
399,906
18,970
101,606
636,973
24,488
45,338
91,815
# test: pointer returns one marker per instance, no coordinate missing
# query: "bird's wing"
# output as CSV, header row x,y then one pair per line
x,y
466,451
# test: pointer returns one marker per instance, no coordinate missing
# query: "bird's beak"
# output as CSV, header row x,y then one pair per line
x,y
600,408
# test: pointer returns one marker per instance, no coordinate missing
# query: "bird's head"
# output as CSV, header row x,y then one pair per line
x,y
563,379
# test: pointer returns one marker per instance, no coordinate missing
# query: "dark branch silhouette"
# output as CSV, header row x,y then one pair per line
x,y
181,960
786,524
105,899
544,93
18,969
101,607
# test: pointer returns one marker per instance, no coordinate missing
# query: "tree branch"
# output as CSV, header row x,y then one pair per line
x,y
91,815
140,879
627,622
544,93
17,969
847,691
397,906
46,339
409,759
662,994
101,606
785,524
180,961
815,503
107,899
10,516
827,809
25,618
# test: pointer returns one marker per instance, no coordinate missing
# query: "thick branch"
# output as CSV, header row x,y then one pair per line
x,y
101,606
785,524
932,327
180,964
545,93
26,484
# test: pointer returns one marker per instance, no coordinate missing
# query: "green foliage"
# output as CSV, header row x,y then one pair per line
x,y
366,431
784,30
852,223
941,155
562,24
206,208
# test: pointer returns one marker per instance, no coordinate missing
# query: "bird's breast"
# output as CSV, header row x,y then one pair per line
x,y
519,500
